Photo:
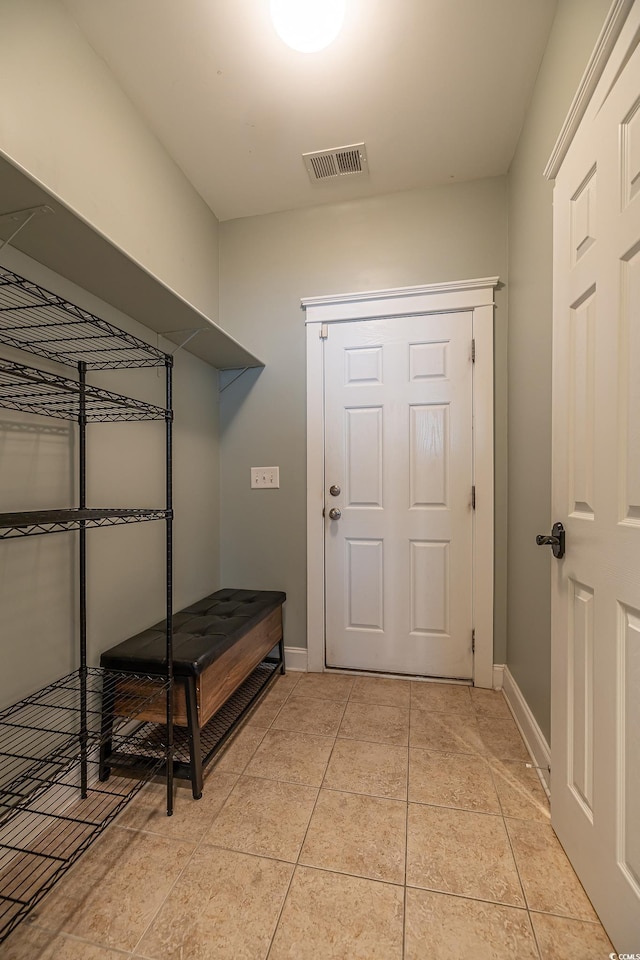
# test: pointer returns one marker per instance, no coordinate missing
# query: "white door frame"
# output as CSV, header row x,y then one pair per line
x,y
476,296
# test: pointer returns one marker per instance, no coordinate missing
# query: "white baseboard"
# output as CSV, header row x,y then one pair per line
x,y
498,676
295,658
527,724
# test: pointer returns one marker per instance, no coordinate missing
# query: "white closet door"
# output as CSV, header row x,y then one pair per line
x,y
595,784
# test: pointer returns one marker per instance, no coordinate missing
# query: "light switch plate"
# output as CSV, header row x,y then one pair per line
x,y
265,478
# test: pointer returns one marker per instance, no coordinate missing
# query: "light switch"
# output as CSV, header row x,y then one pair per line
x,y
265,478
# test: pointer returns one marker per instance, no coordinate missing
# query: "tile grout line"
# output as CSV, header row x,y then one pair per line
x,y
297,860
515,861
535,935
201,842
197,847
566,916
324,786
406,831
173,886
246,725
53,934
469,897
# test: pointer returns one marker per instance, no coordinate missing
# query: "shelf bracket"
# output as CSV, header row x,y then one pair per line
x,y
192,331
28,213
233,379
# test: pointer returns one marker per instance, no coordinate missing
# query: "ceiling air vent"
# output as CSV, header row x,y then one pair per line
x,y
339,162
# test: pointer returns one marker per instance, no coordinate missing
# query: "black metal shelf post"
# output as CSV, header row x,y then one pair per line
x,y
53,741
82,556
169,560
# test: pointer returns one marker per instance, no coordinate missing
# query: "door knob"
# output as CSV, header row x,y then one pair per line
x,y
334,513
334,490
555,541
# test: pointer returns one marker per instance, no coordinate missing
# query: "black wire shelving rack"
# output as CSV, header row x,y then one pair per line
x,y
34,319
53,804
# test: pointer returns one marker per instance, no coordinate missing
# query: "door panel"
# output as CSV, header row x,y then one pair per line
x,y
364,584
629,786
581,695
398,442
364,456
582,406
429,587
629,453
429,455
631,153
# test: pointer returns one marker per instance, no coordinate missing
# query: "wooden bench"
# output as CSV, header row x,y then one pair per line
x,y
217,643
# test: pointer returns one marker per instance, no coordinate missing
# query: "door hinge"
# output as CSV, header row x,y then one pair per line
x,y
473,351
473,497
473,641
324,331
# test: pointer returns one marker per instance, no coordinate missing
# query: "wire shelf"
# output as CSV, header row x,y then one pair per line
x,y
35,319
45,823
38,522
40,842
40,735
62,695
30,390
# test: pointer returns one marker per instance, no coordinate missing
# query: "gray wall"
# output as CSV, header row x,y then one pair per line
x,y
572,39
267,264
38,575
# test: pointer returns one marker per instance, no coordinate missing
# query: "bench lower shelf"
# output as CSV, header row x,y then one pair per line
x,y
147,746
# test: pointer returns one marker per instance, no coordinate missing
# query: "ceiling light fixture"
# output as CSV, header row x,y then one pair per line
x,y
308,25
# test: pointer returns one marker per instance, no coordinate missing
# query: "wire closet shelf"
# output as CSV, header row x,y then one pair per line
x,y
53,801
37,320
30,390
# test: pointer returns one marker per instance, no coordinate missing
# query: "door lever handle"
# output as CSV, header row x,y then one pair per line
x,y
555,541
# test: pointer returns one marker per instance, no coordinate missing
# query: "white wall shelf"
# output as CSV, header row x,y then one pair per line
x,y
72,248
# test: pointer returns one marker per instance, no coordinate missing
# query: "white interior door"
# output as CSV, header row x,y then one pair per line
x,y
398,498
595,776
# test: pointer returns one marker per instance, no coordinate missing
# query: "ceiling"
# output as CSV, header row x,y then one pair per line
x,y
437,89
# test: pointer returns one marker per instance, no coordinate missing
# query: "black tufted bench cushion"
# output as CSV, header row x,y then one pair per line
x,y
217,643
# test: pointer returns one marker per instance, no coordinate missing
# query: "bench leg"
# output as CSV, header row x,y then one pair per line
x,y
281,650
195,752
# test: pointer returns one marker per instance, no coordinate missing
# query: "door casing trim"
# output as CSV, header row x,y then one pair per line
x,y
464,296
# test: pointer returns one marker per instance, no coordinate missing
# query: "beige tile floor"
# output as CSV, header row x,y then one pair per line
x,y
350,819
